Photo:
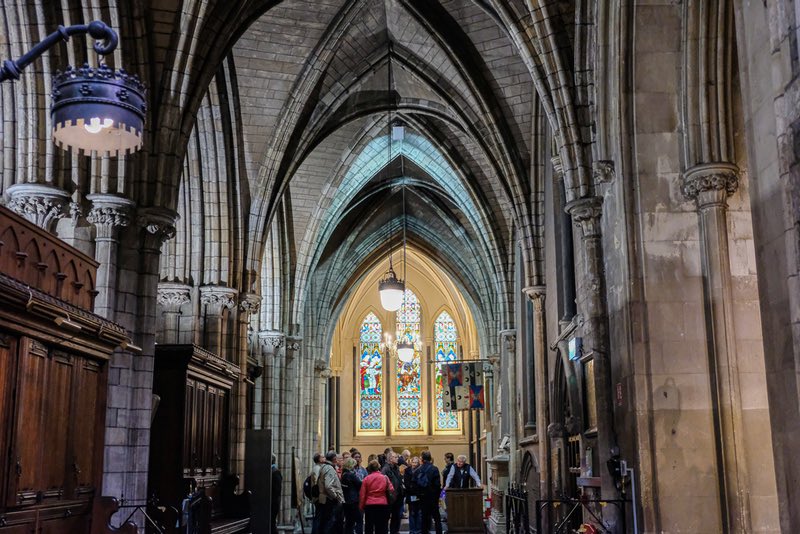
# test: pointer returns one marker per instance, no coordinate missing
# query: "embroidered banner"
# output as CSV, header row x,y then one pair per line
x,y
464,386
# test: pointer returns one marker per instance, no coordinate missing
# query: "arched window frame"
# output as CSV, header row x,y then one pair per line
x,y
405,423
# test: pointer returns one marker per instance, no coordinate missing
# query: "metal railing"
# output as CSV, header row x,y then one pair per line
x,y
516,510
587,511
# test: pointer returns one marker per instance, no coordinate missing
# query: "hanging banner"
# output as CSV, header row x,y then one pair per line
x,y
463,386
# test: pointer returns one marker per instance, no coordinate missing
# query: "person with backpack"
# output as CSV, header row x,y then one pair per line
x,y
392,471
351,485
413,497
430,486
276,481
311,491
328,499
376,492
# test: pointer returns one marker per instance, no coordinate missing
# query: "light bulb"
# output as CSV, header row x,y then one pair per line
x,y
96,126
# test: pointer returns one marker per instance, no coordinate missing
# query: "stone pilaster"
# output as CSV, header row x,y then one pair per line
x,y
586,215
109,214
41,204
130,382
709,186
290,393
248,306
171,298
215,300
268,396
537,295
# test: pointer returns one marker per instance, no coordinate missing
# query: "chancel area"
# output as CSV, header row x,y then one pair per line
x,y
549,249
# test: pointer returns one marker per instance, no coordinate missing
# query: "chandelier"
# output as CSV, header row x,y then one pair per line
x,y
403,349
391,288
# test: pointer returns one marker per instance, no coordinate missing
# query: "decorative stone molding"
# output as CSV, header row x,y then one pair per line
x,y
603,171
270,340
109,213
586,214
710,183
322,369
75,211
249,303
158,223
558,168
172,296
293,346
41,204
537,295
217,298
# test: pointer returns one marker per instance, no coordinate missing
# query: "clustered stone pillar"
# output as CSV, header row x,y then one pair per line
x,y
249,304
271,343
537,296
709,186
171,298
287,431
586,214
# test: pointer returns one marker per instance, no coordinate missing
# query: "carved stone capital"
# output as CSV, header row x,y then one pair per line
x,y
537,295
586,214
293,346
603,171
322,368
217,298
270,341
509,337
172,296
158,224
249,303
41,204
109,213
710,183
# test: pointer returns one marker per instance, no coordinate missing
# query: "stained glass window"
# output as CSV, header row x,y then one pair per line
x,y
370,372
444,339
409,390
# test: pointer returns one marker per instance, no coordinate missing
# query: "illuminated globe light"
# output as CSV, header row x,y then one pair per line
x,y
405,351
391,290
98,109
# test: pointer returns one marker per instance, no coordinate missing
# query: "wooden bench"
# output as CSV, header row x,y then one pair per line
x,y
232,517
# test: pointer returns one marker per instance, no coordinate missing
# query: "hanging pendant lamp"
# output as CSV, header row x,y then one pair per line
x,y
405,350
391,288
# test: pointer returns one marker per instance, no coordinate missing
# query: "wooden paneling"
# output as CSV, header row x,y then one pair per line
x,y
31,255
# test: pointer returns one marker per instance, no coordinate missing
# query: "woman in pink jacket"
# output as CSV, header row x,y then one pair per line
x,y
374,500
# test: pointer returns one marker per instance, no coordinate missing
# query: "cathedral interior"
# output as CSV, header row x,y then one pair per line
x,y
592,206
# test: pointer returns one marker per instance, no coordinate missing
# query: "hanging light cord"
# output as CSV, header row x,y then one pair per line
x,y
389,133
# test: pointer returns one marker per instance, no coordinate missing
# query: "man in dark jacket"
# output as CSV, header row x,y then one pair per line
x,y
391,470
275,493
430,487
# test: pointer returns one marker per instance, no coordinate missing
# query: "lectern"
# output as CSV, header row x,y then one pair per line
x,y
464,510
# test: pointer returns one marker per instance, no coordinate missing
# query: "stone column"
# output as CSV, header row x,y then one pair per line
x,y
108,214
171,297
249,304
287,429
510,415
41,204
586,214
542,383
215,300
266,396
709,186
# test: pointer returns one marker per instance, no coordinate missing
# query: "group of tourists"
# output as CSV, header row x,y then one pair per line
x,y
352,499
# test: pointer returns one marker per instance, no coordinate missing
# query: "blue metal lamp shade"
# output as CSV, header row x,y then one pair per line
x,y
98,109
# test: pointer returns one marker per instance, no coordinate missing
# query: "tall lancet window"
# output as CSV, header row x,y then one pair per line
x,y
409,390
444,339
371,375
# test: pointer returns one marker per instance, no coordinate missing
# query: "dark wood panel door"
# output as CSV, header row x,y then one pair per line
x,y
87,421
189,431
8,358
57,425
201,423
30,436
